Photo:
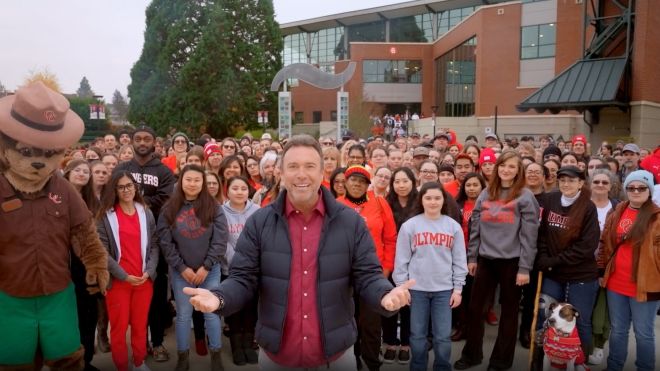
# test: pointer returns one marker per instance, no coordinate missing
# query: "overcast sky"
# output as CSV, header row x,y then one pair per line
x,y
102,39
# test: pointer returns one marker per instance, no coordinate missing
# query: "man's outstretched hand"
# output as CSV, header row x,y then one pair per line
x,y
202,300
398,297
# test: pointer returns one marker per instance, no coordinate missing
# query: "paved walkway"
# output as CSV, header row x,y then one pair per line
x,y
104,362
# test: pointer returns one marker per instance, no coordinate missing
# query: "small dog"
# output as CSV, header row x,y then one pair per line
x,y
561,343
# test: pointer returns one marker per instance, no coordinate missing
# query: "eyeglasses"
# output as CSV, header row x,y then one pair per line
x,y
226,146
636,189
326,143
125,187
180,141
428,172
360,158
534,172
598,182
36,152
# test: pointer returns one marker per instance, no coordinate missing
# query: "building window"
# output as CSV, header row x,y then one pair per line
x,y
333,115
450,18
537,41
455,81
392,71
294,50
317,116
327,47
298,117
417,28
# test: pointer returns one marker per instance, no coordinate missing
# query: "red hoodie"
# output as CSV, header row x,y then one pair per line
x,y
651,163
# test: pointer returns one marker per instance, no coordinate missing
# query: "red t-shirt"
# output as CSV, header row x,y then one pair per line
x,y
130,241
452,188
620,280
467,214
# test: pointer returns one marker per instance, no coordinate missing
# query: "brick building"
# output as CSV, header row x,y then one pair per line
x,y
527,67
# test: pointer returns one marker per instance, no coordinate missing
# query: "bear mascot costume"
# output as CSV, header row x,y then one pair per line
x,y
43,219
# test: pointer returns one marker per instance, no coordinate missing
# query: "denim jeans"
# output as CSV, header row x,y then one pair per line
x,y
184,310
433,305
581,295
623,310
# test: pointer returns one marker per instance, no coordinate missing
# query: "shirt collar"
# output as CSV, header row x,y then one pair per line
x,y
319,207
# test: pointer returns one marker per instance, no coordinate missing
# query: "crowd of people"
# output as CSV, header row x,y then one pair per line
x,y
471,223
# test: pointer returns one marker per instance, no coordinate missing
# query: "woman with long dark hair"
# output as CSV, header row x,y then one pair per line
x,y
502,247
470,189
431,250
401,198
193,236
238,208
630,265
127,229
338,182
568,238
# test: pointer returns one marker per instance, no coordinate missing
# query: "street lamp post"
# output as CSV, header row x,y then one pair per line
x,y
434,108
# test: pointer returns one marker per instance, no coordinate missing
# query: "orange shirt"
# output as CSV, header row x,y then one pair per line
x,y
378,216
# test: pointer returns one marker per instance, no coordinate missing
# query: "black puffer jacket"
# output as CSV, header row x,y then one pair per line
x,y
346,260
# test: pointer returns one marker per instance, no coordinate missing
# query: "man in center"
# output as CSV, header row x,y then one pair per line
x,y
304,254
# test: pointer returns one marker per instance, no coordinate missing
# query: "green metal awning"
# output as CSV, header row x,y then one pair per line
x,y
585,85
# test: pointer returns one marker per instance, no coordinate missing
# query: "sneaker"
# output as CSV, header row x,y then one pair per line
x,y
142,367
161,354
596,356
404,356
390,355
464,364
491,317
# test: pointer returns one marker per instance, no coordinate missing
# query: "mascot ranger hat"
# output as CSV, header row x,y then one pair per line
x,y
40,117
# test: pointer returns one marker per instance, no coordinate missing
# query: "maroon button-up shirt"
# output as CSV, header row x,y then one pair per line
x,y
302,345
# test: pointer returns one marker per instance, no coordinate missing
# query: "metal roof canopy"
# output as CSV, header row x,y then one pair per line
x,y
597,80
585,84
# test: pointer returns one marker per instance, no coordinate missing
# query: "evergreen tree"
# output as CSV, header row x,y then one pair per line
x,y
206,65
85,90
120,105
3,91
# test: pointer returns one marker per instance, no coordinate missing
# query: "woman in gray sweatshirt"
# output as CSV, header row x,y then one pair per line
x,y
430,249
501,250
193,237
238,208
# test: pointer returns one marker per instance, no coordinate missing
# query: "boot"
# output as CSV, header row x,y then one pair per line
x,y
237,353
216,360
182,361
251,355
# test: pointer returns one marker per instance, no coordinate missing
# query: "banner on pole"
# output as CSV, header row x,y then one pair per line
x,y
284,114
342,114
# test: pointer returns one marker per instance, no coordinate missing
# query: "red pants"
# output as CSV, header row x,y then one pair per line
x,y
128,305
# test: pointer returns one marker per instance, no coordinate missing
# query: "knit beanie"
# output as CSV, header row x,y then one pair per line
x,y
358,170
552,150
640,176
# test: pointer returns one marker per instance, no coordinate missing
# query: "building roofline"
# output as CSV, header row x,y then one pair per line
x,y
407,8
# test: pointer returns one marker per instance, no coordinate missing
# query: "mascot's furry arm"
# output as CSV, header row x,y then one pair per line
x,y
87,246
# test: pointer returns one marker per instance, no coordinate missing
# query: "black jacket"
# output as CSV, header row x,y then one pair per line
x,y
155,179
575,262
346,260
